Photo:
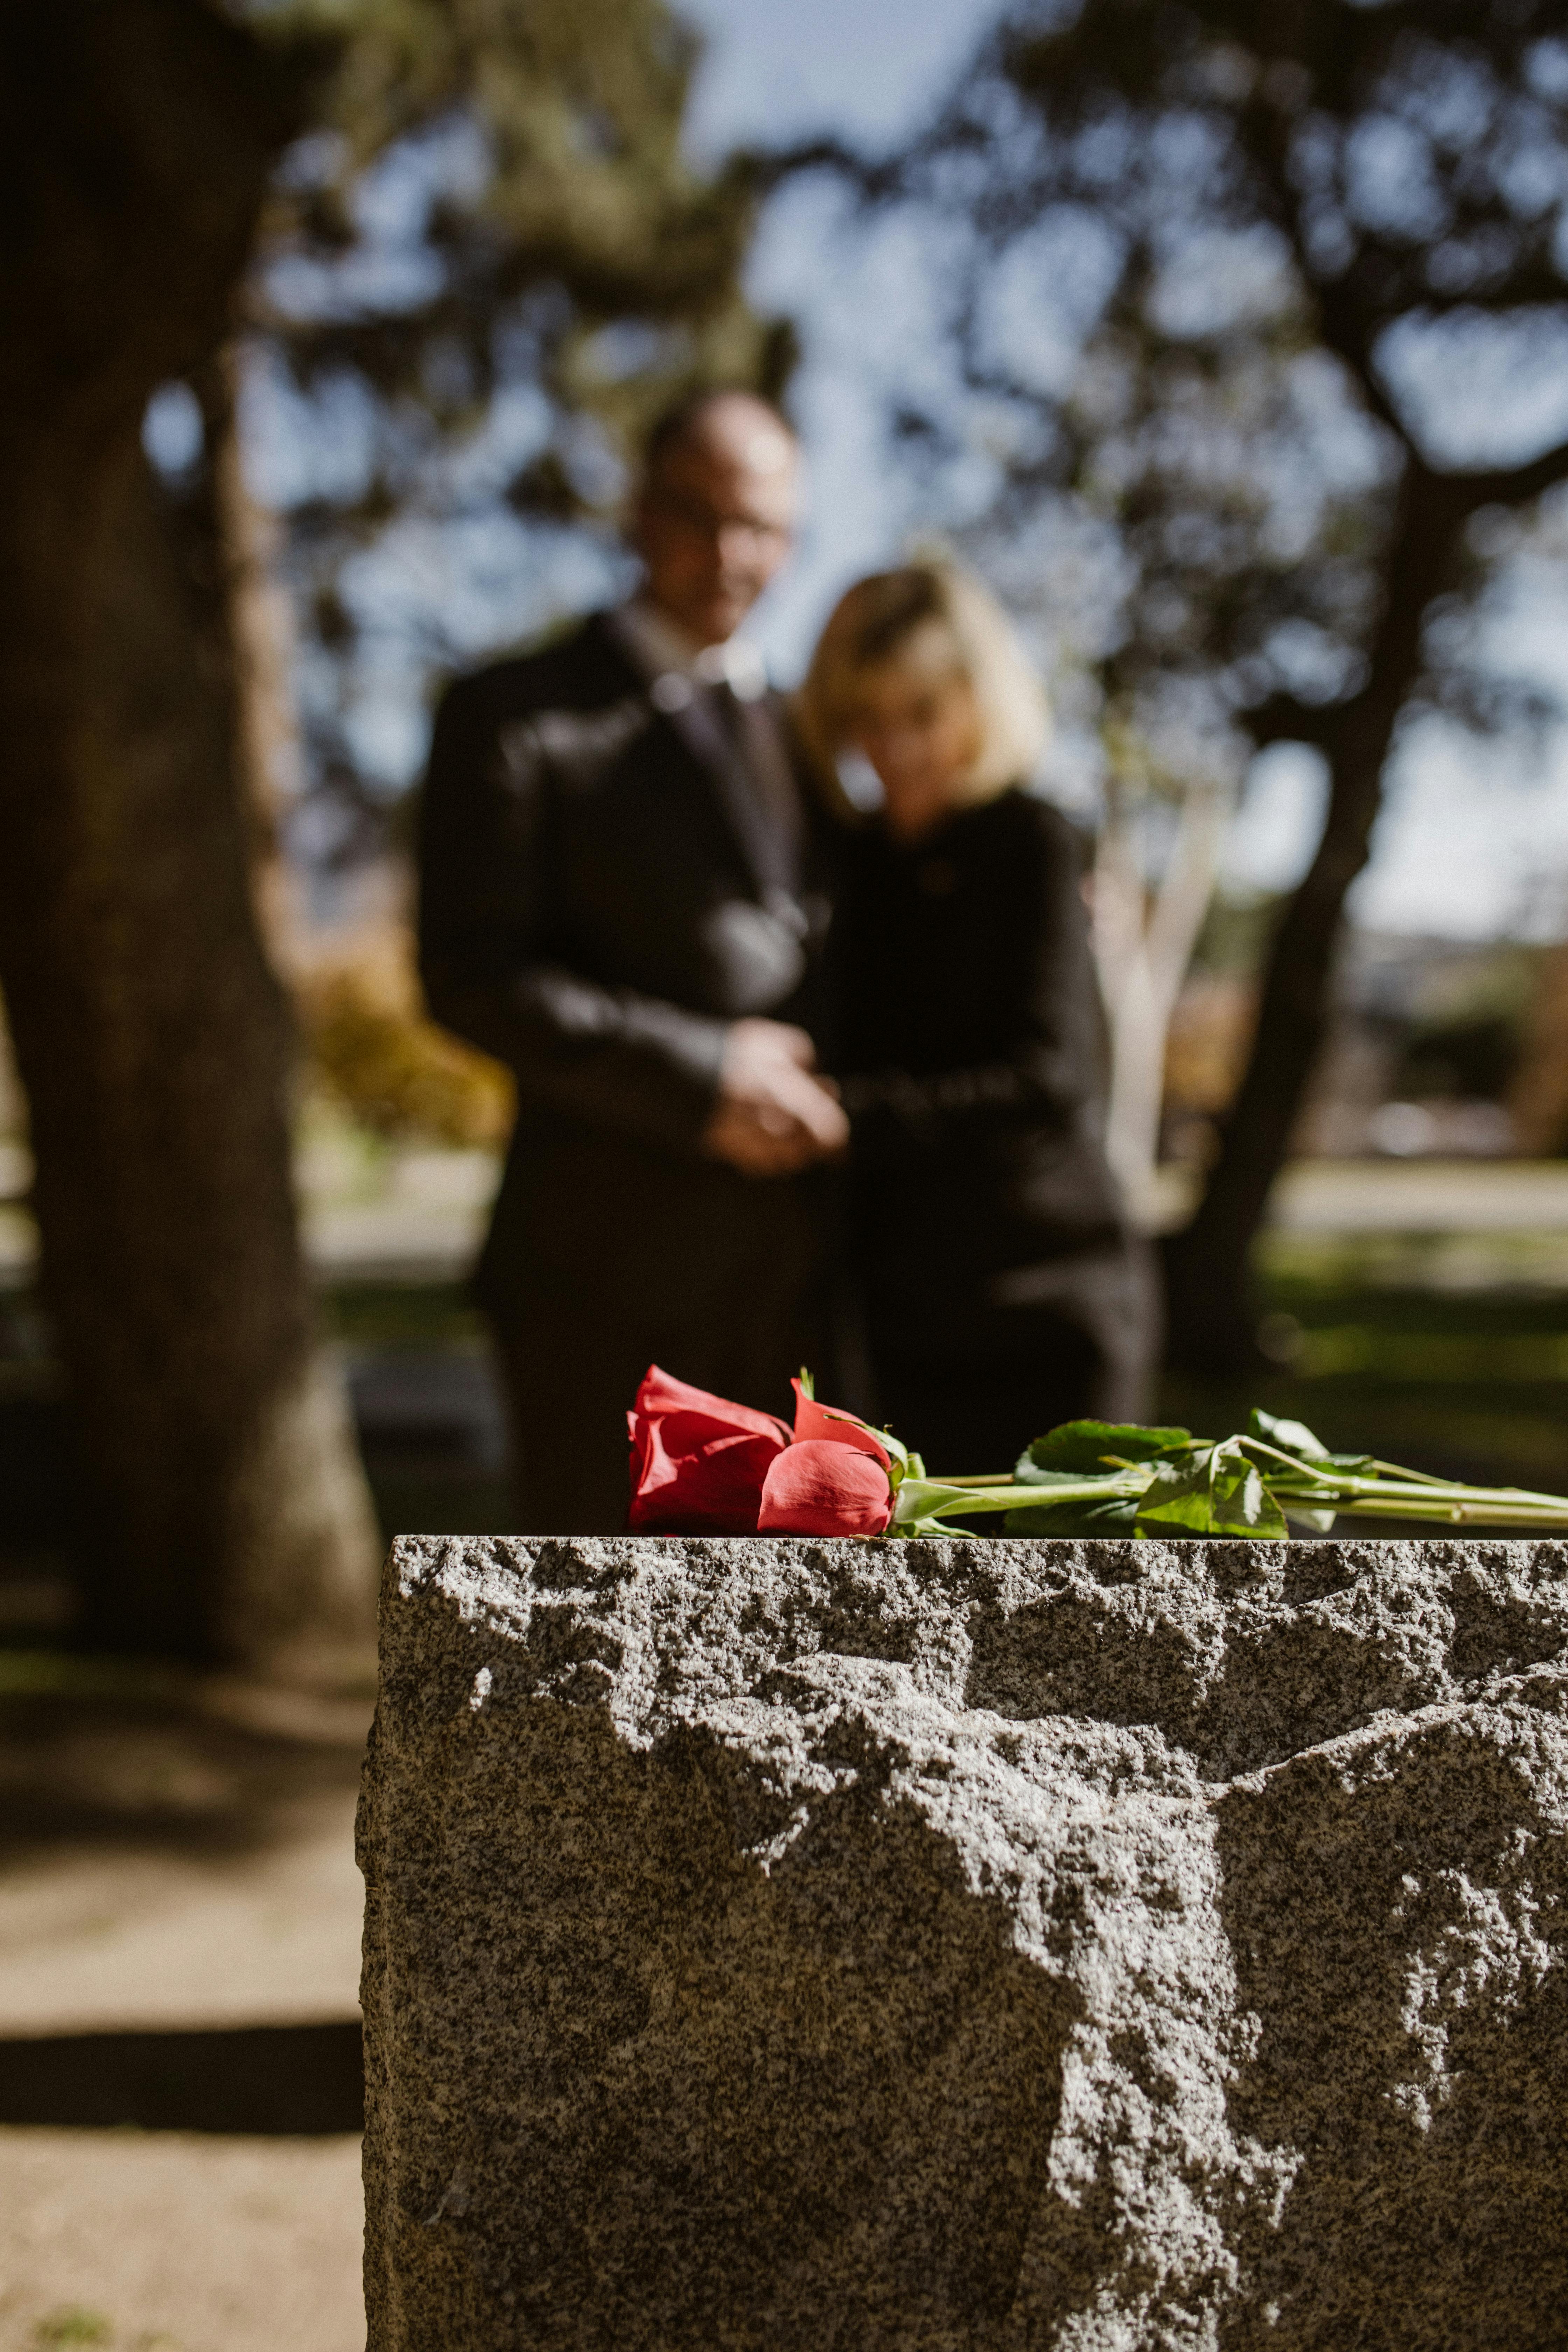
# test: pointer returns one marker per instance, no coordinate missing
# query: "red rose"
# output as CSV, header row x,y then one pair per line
x,y
701,1466
698,1462
825,1486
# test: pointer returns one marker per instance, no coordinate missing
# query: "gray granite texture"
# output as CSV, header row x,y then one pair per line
x,y
907,1946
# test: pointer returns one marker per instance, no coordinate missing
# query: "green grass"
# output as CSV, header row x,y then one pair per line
x,y
1459,1381
400,1314
74,2324
1448,1352
47,1672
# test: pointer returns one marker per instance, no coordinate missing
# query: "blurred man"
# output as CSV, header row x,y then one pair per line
x,y
623,899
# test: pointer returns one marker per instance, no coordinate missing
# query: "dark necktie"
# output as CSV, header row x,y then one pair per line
x,y
760,754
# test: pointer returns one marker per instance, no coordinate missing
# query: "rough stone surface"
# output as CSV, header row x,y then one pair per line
x,y
827,1945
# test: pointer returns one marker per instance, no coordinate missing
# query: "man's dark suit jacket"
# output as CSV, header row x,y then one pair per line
x,y
609,877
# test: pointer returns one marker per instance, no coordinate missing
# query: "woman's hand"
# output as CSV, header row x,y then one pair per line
x,y
774,1115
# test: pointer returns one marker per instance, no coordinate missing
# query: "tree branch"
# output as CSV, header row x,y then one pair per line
x,y
768,168
1282,718
1510,484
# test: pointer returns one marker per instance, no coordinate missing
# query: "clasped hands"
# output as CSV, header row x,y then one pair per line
x,y
776,1114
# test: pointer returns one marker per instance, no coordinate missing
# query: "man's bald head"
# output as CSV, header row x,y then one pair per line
x,y
730,420
715,518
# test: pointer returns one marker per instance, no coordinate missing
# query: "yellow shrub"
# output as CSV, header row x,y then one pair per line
x,y
370,1049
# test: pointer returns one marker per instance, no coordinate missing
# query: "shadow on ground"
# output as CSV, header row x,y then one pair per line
x,y
179,1910
296,2080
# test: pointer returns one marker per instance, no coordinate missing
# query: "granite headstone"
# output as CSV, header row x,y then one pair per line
x,y
907,1946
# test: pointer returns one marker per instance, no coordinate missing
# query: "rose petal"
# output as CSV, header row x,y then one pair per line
x,y
661,1394
824,1486
714,1488
698,1462
813,1420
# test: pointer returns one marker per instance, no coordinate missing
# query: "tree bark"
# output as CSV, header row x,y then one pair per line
x,y
261,627
224,1516
1207,1265
1143,951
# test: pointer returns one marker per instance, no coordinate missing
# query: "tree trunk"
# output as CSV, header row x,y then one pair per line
x,y
1208,1265
262,627
224,1516
1143,951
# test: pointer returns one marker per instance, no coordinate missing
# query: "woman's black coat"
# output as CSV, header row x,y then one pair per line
x,y
999,1289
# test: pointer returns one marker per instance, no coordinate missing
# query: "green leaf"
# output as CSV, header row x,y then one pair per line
x,y
1218,1492
1320,1522
1082,1446
1082,1510
1289,1436
1068,1477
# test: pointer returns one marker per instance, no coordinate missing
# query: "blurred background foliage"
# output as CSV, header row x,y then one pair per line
x,y
373,1059
460,242
1227,294
1230,338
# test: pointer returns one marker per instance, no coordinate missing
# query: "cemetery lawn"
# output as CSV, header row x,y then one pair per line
x,y
1453,1364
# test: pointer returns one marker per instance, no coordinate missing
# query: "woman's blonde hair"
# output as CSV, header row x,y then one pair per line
x,y
874,622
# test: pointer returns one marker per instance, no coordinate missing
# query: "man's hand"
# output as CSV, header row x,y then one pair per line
x,y
772,1116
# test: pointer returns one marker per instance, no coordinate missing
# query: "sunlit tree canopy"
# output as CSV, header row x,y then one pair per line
x,y
1228,274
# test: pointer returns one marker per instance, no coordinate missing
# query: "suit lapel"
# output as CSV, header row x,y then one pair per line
x,y
746,803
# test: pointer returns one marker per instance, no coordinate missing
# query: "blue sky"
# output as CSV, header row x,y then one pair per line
x,y
866,68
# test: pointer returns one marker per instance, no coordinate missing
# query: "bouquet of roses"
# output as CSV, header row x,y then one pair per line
x,y
702,1466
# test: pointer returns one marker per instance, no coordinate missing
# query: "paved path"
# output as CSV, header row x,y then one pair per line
x,y
420,1215
173,2241
1433,1196
177,1863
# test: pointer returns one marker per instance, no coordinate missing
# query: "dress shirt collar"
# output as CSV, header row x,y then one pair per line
x,y
661,648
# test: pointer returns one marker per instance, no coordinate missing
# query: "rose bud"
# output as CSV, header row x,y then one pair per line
x,y
825,1486
698,1462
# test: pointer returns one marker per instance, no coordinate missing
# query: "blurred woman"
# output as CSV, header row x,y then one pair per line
x,y
999,1290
